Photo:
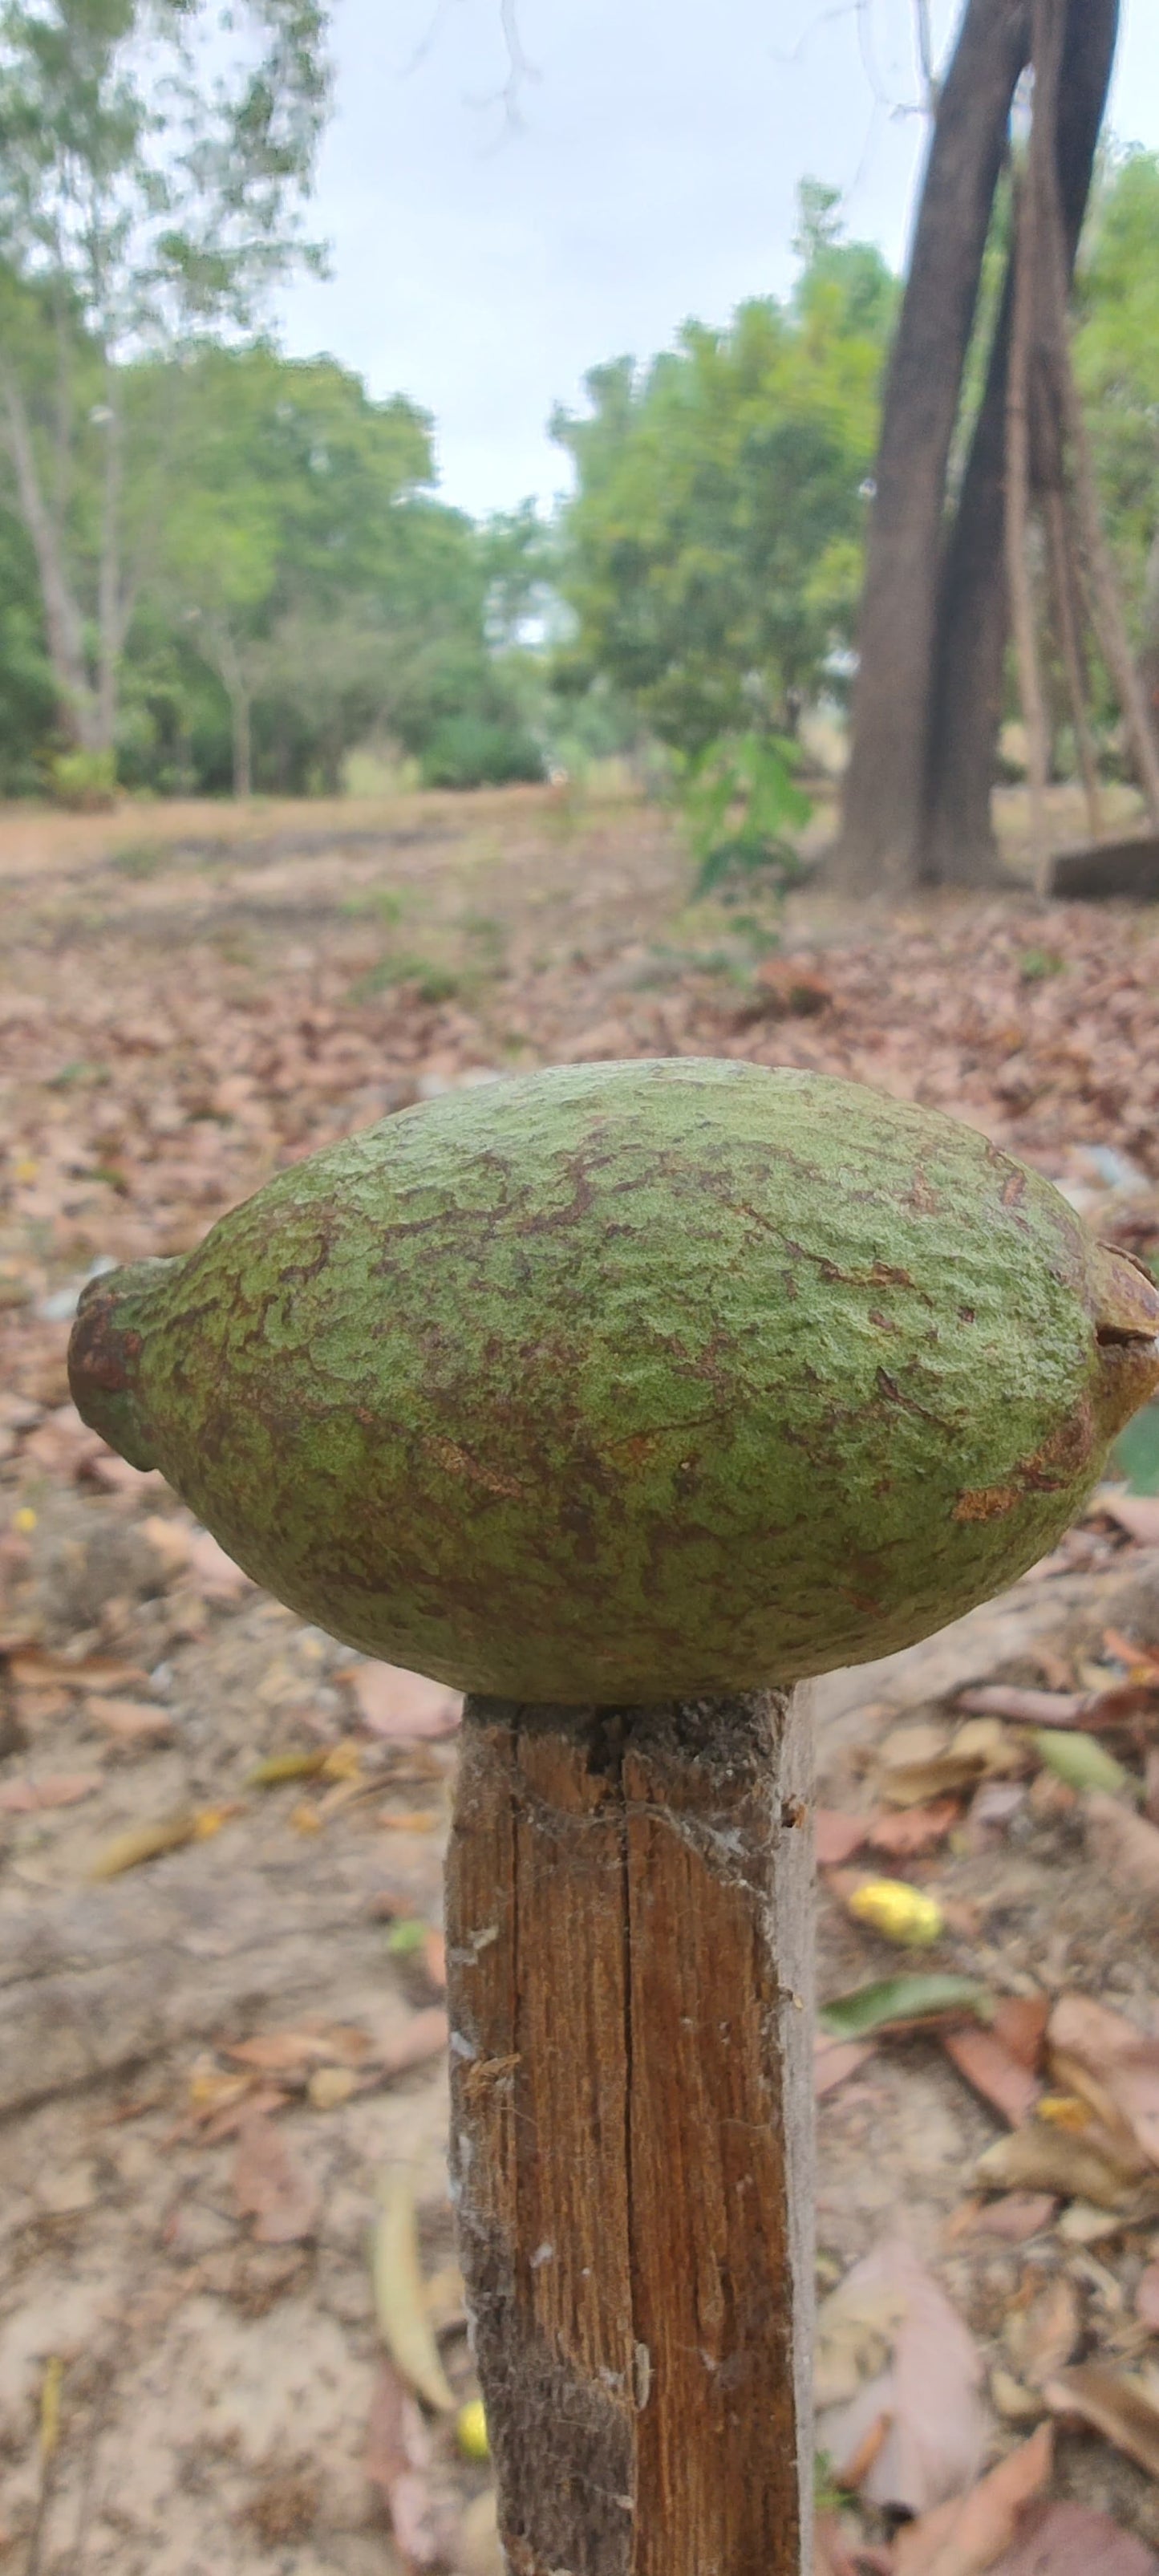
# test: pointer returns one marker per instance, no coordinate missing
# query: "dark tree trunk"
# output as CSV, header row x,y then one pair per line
x,y
885,791
957,845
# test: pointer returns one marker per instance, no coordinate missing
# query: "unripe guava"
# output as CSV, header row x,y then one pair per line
x,y
625,1381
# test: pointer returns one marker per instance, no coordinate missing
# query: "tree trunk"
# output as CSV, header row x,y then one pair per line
x,y
1149,663
242,745
1019,576
953,730
1066,605
231,671
62,620
628,1947
109,574
958,844
885,782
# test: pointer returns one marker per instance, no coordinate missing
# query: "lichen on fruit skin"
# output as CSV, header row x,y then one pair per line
x,y
632,1380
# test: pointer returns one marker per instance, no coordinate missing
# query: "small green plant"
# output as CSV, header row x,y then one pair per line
x,y
1036,965
385,903
84,782
740,801
431,983
828,2497
469,751
139,858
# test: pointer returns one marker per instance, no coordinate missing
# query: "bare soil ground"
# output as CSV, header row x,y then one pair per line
x,y
192,2373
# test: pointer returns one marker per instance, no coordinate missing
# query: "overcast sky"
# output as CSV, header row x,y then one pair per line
x,y
481,266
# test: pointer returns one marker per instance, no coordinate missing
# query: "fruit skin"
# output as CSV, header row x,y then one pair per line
x,y
627,1380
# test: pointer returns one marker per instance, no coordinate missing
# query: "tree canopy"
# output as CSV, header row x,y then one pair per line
x,y
712,552
259,571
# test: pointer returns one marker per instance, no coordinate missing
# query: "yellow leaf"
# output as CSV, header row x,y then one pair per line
x,y
305,1819
165,1834
209,1821
399,2299
286,1766
50,2388
1064,2111
343,1761
24,1520
900,1912
471,2428
144,1842
330,2085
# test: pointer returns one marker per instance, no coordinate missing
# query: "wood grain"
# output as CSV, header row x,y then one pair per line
x,y
629,1902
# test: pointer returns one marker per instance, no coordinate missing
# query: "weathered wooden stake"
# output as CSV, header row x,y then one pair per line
x,y
629,1967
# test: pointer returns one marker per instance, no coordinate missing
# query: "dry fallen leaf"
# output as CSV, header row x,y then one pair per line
x,y
964,2538
214,1573
256,2101
270,2187
1122,1842
1099,2053
130,1721
1043,2157
835,2060
837,1836
1137,1514
145,1842
1073,2540
993,2071
399,2295
426,2035
914,1764
910,1831
398,1705
927,2385
478,2550
1020,2023
1016,2217
329,2086
830,2555
1041,2336
60,1789
1122,2408
36,1667
1025,1707
1147,2298
397,2462
295,2051
917,1764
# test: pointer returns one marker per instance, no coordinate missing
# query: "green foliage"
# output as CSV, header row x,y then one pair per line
x,y
1037,965
1117,357
27,692
155,156
740,801
471,751
83,781
712,552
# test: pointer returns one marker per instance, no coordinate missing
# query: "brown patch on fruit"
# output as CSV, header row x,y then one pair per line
x,y
986,1503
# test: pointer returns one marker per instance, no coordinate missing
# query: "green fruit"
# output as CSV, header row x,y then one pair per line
x,y
630,1380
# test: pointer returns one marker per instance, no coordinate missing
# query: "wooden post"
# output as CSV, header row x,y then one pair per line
x,y
629,1966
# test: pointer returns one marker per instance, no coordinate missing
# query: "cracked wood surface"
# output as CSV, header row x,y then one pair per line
x,y
629,1959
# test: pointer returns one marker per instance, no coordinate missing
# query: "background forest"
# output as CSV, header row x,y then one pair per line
x,y
225,570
